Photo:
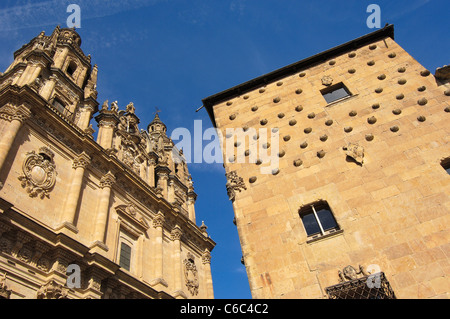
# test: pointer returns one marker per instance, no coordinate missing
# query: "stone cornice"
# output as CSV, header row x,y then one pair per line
x,y
40,55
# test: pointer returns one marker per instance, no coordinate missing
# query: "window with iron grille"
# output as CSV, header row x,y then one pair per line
x,y
374,286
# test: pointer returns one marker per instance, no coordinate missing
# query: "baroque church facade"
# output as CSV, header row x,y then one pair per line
x,y
116,211
348,197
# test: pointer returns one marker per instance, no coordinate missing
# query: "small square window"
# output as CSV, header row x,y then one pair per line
x,y
318,220
336,92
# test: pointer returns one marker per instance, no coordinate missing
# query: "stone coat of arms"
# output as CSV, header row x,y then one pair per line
x,y
39,173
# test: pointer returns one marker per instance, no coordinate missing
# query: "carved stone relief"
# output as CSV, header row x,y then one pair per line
x,y
39,173
4,291
52,290
350,273
327,80
355,151
191,274
234,183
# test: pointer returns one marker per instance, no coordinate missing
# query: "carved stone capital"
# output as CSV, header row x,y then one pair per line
x,y
82,160
206,257
176,233
10,113
158,220
107,180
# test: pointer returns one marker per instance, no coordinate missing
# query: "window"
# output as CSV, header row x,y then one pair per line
x,y
71,68
125,256
58,105
446,164
361,288
318,220
336,92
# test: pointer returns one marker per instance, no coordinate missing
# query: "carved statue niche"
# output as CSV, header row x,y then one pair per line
x,y
39,173
191,274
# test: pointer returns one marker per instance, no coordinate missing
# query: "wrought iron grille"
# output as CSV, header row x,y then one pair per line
x,y
374,286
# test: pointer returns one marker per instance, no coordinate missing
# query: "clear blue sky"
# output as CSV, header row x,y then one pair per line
x,y
171,54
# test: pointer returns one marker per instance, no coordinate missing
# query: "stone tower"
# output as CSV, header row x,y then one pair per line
x,y
82,218
353,201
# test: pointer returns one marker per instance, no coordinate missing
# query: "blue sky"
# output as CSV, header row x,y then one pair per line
x,y
170,54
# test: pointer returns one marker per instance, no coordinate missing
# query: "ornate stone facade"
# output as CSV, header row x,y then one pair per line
x,y
68,201
362,176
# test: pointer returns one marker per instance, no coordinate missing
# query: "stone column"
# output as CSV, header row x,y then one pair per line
x,y
171,191
177,264
191,205
105,134
60,57
31,72
70,208
15,117
85,116
206,260
17,77
107,121
48,87
163,177
158,224
102,210
151,172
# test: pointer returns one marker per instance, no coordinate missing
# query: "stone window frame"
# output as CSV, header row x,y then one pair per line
x,y
334,88
72,67
309,208
131,230
130,240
